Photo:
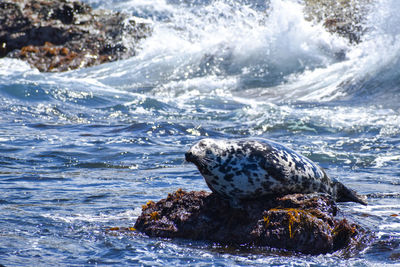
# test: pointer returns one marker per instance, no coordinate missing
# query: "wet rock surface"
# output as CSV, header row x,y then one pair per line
x,y
344,17
298,222
63,35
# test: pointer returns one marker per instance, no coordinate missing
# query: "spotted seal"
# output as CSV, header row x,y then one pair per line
x,y
251,168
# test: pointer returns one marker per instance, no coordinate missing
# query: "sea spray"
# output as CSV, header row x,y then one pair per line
x,y
237,45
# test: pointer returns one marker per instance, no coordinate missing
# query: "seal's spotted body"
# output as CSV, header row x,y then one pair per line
x,y
248,168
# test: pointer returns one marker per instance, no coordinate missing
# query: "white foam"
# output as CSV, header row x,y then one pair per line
x,y
228,40
11,66
126,215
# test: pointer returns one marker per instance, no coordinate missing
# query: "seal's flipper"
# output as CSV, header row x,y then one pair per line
x,y
344,194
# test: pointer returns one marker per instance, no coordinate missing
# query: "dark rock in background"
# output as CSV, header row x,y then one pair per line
x,y
298,222
63,35
344,17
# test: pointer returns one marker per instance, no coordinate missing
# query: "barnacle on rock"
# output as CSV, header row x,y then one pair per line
x,y
149,204
154,216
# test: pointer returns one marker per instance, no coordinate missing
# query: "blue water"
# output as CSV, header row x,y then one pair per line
x,y
81,151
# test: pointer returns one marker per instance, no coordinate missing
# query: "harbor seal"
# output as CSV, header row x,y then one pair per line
x,y
252,168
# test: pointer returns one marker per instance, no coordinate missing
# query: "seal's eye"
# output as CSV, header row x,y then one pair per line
x,y
208,152
202,144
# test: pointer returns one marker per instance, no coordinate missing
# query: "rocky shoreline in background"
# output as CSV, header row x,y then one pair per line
x,y
62,35
345,17
300,222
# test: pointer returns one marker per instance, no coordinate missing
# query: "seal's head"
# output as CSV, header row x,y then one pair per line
x,y
219,159
205,153
215,160
231,168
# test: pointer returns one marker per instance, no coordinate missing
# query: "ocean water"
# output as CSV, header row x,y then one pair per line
x,y
81,151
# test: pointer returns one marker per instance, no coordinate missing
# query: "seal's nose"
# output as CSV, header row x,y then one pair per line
x,y
189,156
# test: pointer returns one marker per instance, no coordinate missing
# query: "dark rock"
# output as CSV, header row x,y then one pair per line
x,y
346,18
294,229
298,222
62,35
